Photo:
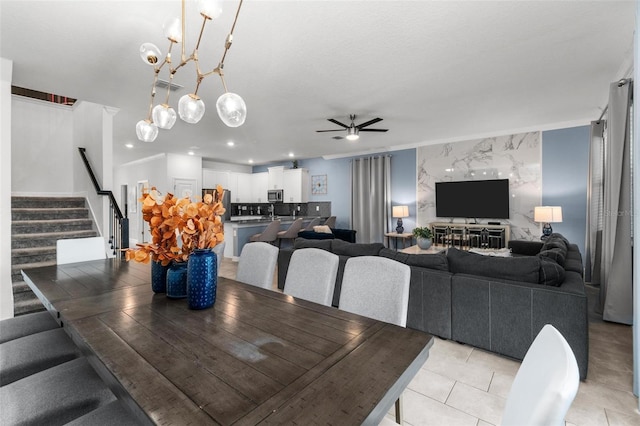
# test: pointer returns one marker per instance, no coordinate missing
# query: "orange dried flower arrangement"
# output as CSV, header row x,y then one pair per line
x,y
197,224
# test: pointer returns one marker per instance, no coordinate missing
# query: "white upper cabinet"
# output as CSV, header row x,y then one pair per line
x,y
259,187
296,186
213,178
276,177
244,188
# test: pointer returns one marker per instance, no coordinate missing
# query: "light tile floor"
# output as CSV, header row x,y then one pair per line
x,y
462,385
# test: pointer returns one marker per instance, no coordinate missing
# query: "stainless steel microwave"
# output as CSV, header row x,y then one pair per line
x,y
274,195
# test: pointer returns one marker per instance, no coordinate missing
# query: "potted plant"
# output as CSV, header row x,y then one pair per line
x,y
423,236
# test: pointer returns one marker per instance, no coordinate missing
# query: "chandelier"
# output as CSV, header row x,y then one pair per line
x,y
231,107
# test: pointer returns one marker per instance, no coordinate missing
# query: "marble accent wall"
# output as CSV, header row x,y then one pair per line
x,y
516,157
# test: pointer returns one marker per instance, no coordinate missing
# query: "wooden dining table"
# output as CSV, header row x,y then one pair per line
x,y
256,357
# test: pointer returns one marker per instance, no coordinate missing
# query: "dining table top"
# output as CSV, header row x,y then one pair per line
x,y
257,356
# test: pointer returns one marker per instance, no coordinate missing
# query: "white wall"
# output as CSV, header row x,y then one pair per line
x,y
42,144
184,167
6,289
152,170
226,167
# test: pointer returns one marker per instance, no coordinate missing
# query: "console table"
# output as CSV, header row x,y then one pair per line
x,y
470,235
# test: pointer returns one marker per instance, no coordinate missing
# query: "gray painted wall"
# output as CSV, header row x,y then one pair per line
x,y
565,166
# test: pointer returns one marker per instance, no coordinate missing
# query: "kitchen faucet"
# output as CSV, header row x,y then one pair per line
x,y
271,209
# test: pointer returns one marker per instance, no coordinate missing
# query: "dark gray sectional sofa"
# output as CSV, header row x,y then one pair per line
x,y
494,303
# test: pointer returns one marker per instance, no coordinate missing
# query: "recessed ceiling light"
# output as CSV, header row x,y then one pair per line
x,y
250,161
230,143
129,145
291,154
191,153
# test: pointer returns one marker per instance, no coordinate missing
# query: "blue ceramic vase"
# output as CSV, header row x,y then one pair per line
x,y
177,280
158,277
202,279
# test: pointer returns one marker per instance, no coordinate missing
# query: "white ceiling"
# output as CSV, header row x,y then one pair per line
x,y
433,70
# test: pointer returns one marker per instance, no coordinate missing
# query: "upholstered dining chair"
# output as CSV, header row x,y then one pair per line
x,y
292,232
25,325
376,287
312,275
314,222
330,222
257,264
269,235
546,383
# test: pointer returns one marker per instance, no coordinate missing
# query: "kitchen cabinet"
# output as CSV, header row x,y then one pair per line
x,y
259,187
276,177
212,178
244,187
296,185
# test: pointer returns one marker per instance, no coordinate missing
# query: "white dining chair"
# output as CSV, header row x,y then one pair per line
x,y
546,383
376,287
312,275
257,264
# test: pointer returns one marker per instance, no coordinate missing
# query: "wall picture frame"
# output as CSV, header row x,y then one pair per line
x,y
318,184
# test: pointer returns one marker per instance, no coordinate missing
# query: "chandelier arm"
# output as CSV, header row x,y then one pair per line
x,y
229,39
183,56
153,91
171,72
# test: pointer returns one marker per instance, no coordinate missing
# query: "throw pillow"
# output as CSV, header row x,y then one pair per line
x,y
508,268
323,229
555,254
344,248
305,243
550,272
431,261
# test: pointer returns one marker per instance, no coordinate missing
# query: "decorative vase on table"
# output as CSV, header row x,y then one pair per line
x,y
158,277
424,243
177,280
202,279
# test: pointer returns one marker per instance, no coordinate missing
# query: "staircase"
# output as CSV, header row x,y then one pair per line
x,y
37,223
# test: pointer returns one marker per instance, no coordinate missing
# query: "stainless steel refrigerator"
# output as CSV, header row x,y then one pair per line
x,y
226,201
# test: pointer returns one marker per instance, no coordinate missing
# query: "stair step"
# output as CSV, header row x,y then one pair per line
x,y
18,214
20,287
24,307
47,238
32,255
40,202
60,225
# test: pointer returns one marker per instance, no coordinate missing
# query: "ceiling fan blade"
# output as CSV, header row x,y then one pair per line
x,y
338,123
374,130
335,130
368,123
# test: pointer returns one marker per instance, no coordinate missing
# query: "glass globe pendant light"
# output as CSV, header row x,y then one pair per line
x,y
150,54
191,108
211,9
231,109
163,116
146,131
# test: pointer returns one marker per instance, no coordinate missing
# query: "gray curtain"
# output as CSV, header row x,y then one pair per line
x,y
615,265
595,205
370,198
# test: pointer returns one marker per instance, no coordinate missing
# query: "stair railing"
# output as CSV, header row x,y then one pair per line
x,y
118,223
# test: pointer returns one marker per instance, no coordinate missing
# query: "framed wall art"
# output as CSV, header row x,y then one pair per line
x,y
318,184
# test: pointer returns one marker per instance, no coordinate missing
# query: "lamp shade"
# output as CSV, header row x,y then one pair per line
x,y
547,214
400,211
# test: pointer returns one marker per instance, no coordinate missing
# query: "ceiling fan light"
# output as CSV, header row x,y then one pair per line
x,y
164,116
210,9
146,131
173,29
352,137
231,109
150,54
191,108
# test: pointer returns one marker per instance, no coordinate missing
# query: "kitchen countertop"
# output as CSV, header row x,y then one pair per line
x,y
256,220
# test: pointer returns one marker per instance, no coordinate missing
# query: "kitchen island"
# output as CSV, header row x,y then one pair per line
x,y
239,229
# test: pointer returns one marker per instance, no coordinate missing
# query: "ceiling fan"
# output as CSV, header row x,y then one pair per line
x,y
353,130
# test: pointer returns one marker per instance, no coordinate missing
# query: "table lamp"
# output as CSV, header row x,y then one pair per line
x,y
400,212
547,215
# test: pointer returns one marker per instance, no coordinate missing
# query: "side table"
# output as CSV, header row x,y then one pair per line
x,y
404,236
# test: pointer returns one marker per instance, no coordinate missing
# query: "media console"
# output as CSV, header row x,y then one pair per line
x,y
476,235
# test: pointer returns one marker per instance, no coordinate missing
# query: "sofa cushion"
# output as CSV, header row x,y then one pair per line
x,y
344,248
555,254
554,243
574,265
305,243
550,272
509,268
431,261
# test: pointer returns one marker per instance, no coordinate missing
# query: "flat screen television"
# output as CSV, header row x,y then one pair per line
x,y
487,199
